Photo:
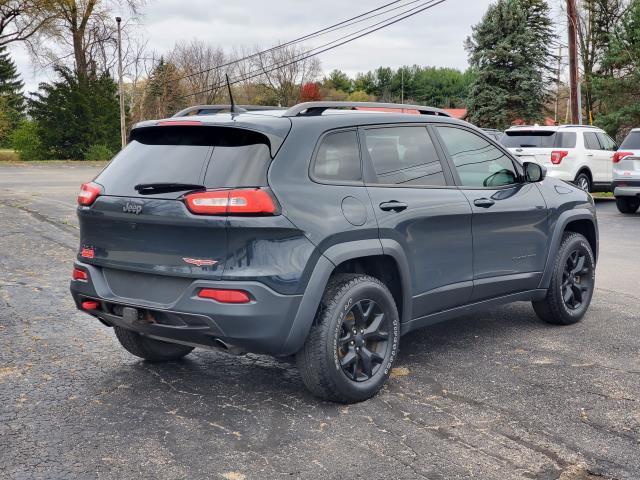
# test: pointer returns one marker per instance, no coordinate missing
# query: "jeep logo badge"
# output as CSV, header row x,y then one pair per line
x,y
132,208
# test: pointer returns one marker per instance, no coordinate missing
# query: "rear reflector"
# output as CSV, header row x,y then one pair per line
x,y
558,155
88,193
225,296
252,201
80,275
89,305
620,155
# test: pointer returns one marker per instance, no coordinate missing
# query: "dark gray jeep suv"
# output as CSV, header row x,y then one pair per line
x,y
323,232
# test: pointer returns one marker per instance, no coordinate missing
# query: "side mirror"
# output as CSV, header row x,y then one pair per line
x,y
533,172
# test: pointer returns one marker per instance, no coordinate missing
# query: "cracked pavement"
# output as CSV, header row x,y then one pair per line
x,y
497,395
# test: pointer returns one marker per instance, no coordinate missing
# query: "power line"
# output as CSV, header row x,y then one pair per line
x,y
331,28
326,47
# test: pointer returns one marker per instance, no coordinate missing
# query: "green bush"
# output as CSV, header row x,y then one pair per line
x,y
98,153
26,142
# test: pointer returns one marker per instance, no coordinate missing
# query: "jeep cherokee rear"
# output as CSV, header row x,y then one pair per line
x,y
322,233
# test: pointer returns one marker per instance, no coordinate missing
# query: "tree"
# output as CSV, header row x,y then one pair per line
x,y
198,62
339,80
164,94
310,92
21,20
618,88
72,115
509,51
284,69
597,25
11,97
83,30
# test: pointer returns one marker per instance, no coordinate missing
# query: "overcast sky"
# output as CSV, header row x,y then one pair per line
x,y
433,37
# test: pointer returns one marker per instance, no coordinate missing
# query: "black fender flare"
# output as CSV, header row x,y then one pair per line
x,y
326,264
561,223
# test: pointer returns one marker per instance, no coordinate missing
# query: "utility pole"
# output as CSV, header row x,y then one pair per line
x,y
123,127
402,88
558,86
576,112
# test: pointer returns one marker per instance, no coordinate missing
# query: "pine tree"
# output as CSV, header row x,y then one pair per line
x,y
11,98
510,52
72,116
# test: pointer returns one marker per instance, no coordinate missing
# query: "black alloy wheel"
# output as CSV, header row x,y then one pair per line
x,y
577,279
572,282
363,341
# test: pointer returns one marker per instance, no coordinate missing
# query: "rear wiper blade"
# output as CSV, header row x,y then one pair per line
x,y
166,187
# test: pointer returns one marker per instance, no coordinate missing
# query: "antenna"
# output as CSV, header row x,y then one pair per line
x,y
233,104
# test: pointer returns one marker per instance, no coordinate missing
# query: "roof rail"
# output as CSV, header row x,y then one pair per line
x,y
314,109
215,109
579,126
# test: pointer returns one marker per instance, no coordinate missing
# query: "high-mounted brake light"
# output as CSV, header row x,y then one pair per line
x,y
250,201
225,296
178,123
80,274
88,193
558,155
620,155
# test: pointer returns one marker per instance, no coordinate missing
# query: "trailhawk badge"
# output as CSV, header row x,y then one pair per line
x,y
199,262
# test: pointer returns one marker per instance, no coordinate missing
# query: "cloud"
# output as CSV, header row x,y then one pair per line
x,y
433,37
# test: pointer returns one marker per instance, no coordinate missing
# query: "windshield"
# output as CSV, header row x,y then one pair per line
x,y
538,139
215,157
632,142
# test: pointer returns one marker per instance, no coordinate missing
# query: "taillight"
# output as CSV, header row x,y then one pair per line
x,y
557,156
620,155
80,274
88,193
252,201
225,296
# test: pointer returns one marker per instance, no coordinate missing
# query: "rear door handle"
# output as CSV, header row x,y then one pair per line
x,y
393,205
484,202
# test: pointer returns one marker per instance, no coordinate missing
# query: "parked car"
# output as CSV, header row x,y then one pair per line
x,y
626,173
323,234
574,153
493,133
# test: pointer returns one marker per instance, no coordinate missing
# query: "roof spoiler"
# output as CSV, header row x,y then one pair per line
x,y
314,109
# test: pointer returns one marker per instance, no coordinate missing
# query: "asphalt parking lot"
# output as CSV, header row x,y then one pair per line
x,y
494,396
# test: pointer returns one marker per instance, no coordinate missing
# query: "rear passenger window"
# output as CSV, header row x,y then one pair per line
x,y
404,156
591,141
338,158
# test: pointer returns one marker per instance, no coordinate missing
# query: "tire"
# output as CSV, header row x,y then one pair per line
x,y
584,182
333,363
628,204
574,255
149,348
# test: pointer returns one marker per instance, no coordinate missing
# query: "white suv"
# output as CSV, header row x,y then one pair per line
x,y
626,173
575,153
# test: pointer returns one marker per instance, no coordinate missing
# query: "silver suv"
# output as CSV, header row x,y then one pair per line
x,y
626,173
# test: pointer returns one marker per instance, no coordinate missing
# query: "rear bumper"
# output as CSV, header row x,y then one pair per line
x,y
261,326
626,188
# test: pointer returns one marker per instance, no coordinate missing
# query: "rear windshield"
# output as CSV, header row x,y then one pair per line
x,y
539,139
215,157
632,142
